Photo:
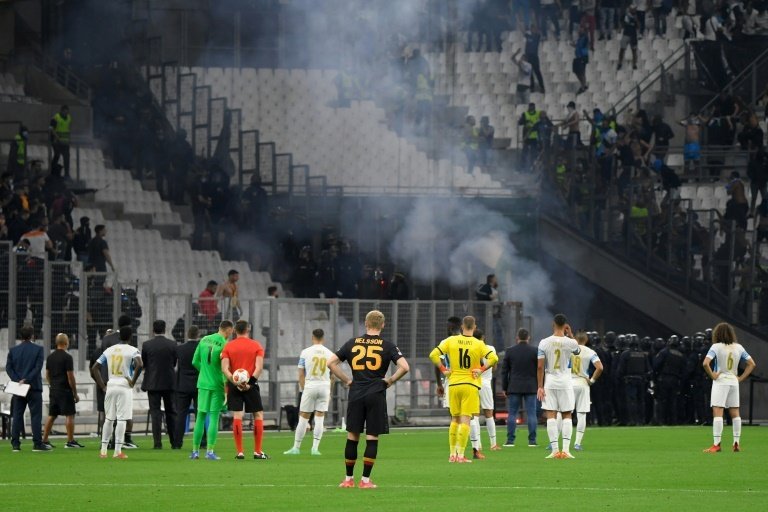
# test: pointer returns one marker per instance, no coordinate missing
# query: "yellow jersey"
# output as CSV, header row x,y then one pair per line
x,y
461,354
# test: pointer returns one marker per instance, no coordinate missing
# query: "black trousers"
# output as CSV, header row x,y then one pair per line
x,y
667,397
533,59
63,151
167,398
183,400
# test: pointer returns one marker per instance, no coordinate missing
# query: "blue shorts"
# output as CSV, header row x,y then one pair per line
x,y
692,151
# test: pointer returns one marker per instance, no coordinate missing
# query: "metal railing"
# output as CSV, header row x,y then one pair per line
x,y
747,84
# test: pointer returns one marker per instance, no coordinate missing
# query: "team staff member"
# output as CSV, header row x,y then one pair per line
x,y
60,130
186,382
210,389
24,363
159,356
247,354
60,375
463,367
369,357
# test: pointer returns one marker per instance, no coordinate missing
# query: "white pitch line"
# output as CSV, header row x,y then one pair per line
x,y
436,487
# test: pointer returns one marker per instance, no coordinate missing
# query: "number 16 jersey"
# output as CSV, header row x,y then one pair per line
x,y
462,354
369,357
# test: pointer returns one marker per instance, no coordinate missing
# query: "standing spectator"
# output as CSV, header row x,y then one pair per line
x,y
4,235
485,141
159,357
518,380
59,131
470,142
524,78
581,58
17,155
640,9
692,148
687,11
61,238
661,9
670,182
186,383
545,129
629,36
532,42
571,123
588,8
550,11
39,242
24,364
305,275
489,292
207,303
751,136
81,239
757,170
230,291
607,18
60,375
528,120
266,321
98,251
200,198
182,160
662,134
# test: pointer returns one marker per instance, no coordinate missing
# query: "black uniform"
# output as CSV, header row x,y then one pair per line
x,y
633,372
601,390
62,401
369,357
669,366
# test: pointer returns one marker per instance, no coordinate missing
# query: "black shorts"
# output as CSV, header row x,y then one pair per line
x,y
99,399
249,400
62,403
369,412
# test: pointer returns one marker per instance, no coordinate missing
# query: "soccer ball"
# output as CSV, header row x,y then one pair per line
x,y
240,377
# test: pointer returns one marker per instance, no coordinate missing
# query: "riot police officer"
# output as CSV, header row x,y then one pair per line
x,y
601,390
634,370
619,396
669,365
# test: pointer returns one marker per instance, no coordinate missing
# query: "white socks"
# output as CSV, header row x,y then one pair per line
x,y
553,433
106,433
119,436
581,426
736,429
567,431
318,433
717,429
559,422
301,430
490,424
474,433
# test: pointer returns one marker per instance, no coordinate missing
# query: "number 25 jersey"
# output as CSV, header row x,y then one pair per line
x,y
462,355
369,357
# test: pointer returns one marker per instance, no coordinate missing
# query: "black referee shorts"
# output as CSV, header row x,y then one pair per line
x,y
62,403
370,412
250,400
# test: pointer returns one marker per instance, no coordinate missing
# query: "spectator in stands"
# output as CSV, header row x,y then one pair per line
x,y
662,134
550,11
327,273
687,11
61,237
485,141
532,42
4,234
629,36
737,208
186,383
422,95
524,78
200,195
528,120
692,148
518,381
60,131
207,303
581,58
522,12
470,142
588,8
757,171
218,192
17,156
305,275
18,224
751,136
230,291
60,375
546,129
607,18
39,242
571,124
98,251
159,357
661,9
23,365
670,182
398,287
349,271
272,294
641,7
182,159
81,239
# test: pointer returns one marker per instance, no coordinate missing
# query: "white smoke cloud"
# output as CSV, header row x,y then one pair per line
x,y
462,241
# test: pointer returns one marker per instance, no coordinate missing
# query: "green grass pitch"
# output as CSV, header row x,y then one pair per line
x,y
623,469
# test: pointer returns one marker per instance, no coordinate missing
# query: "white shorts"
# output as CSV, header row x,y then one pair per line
x,y
581,397
486,397
315,399
118,403
725,395
560,400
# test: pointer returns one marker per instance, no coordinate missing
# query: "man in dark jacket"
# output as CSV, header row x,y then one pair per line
x,y
518,380
24,364
159,357
186,383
